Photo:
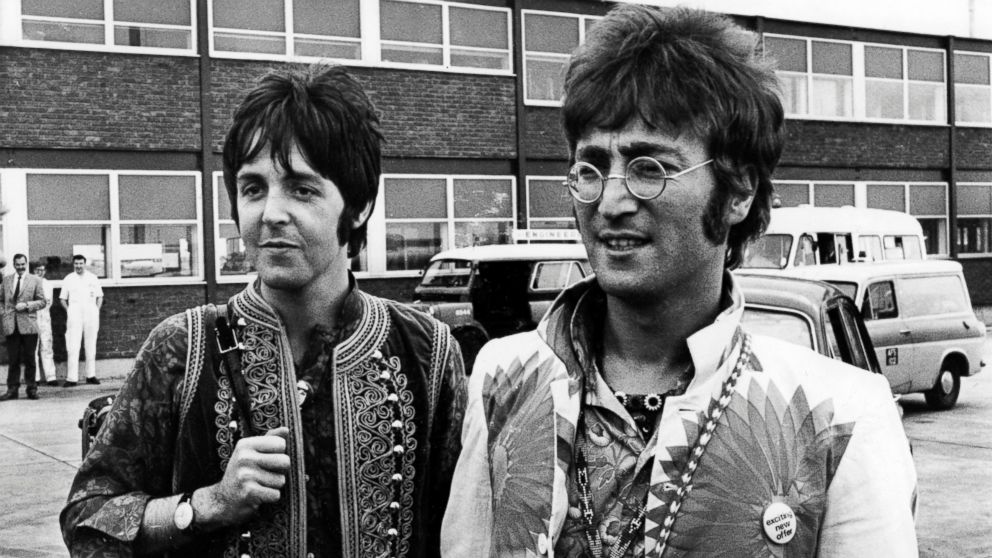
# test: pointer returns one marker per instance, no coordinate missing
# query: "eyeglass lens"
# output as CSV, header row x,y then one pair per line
x,y
645,179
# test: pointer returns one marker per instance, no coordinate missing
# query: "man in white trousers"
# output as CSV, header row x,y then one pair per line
x,y
44,358
82,297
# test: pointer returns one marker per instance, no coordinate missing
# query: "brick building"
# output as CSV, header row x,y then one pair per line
x,y
113,113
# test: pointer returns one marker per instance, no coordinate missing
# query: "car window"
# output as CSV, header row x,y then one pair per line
x,y
845,336
871,248
926,296
447,273
787,326
769,252
850,289
880,302
834,332
806,251
555,276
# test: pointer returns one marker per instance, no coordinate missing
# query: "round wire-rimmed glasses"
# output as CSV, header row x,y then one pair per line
x,y
645,179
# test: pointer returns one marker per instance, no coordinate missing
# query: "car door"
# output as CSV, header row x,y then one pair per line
x,y
889,332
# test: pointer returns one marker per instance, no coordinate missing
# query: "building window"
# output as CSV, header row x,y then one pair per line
x,y
974,224
231,259
129,225
146,24
851,80
287,27
817,77
972,88
427,214
928,203
549,206
549,39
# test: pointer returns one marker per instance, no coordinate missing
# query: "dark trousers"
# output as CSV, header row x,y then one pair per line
x,y
20,352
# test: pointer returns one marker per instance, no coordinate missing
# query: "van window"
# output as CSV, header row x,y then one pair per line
x,y
806,251
871,246
447,273
850,289
903,247
787,326
769,252
926,296
555,275
880,302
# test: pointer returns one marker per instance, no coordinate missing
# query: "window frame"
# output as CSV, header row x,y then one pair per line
x,y
527,207
13,13
582,18
971,255
369,39
987,87
15,191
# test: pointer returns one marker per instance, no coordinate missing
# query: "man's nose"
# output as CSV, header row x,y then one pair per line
x,y
276,208
616,198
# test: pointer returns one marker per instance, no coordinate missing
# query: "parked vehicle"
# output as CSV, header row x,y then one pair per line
x,y
484,292
920,318
805,235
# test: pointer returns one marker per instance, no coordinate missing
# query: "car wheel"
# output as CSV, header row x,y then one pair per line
x,y
471,341
944,393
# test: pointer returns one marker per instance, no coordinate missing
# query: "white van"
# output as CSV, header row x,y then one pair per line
x,y
920,319
805,235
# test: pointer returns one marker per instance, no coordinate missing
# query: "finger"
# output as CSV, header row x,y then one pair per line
x,y
269,479
275,462
263,494
263,444
282,432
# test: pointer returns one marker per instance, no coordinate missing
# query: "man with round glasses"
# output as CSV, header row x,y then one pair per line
x,y
641,418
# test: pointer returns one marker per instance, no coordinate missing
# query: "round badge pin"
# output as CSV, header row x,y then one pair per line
x,y
779,522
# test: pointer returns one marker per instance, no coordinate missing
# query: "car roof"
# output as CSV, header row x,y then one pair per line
x,y
841,219
510,252
864,271
804,295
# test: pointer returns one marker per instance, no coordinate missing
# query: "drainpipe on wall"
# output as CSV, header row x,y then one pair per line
x,y
206,150
521,116
952,184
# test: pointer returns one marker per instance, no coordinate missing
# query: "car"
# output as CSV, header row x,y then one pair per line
x,y
485,292
920,318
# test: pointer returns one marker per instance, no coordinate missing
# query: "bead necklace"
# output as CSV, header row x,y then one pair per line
x,y
709,427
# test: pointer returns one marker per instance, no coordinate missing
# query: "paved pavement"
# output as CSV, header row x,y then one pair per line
x,y
40,451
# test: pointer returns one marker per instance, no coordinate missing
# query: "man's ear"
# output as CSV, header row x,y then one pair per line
x,y
362,216
740,205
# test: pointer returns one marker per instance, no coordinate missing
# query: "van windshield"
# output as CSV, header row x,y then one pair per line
x,y
771,251
448,274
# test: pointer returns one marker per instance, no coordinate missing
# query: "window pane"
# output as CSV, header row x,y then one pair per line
x,y
229,42
974,235
934,234
545,78
887,196
479,198
171,12
927,102
410,246
322,48
925,65
548,198
56,244
883,62
918,300
159,250
832,58
417,23
971,68
833,195
231,251
258,15
416,198
478,28
545,33
47,193
973,103
479,234
157,197
883,99
794,99
409,54
156,38
789,54
832,96
315,17
792,195
63,32
480,59
81,9
974,200
927,199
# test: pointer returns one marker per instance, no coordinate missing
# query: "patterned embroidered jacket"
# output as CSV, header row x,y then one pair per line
x,y
814,433
167,433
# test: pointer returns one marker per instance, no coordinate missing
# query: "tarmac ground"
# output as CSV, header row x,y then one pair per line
x,y
40,446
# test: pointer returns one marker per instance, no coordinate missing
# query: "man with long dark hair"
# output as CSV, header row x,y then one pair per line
x,y
641,418
334,428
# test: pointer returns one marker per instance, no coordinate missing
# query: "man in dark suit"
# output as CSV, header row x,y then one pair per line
x,y
21,297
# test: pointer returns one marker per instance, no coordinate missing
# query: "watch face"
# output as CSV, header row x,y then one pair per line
x,y
183,516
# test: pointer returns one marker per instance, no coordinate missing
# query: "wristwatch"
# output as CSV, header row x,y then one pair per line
x,y
184,517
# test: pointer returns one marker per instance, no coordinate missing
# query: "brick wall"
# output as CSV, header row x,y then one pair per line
x,y
974,148
83,100
843,144
545,138
424,114
978,275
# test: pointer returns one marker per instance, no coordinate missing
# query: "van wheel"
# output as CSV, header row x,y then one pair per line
x,y
471,341
944,393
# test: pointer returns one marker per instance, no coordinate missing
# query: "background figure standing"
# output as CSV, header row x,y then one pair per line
x,y
44,357
21,297
82,297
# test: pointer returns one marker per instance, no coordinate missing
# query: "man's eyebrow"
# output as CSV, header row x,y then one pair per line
x,y
651,149
592,152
